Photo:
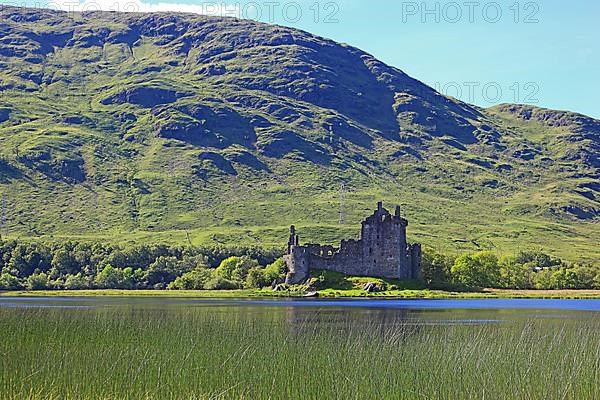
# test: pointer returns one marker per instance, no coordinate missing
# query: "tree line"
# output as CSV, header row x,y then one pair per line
x,y
525,270
78,265
82,265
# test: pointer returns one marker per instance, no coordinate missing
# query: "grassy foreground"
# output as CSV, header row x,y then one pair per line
x,y
218,352
327,293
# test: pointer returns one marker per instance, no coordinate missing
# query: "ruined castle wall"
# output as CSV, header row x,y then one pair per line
x,y
384,246
321,250
345,260
382,251
298,263
350,258
415,261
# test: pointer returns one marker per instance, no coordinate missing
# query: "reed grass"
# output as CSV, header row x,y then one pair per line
x,y
248,352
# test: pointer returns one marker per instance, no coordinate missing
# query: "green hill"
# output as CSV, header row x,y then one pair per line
x,y
153,127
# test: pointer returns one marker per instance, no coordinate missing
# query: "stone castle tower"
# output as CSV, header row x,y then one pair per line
x,y
382,251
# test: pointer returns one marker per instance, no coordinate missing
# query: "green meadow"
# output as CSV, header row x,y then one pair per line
x,y
90,150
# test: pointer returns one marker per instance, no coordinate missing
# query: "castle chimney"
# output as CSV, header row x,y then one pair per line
x,y
397,211
293,241
379,205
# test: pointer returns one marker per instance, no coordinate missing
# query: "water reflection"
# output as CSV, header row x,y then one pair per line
x,y
39,305
398,304
315,320
306,316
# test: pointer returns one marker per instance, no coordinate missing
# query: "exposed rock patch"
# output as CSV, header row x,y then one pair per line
x,y
144,96
4,114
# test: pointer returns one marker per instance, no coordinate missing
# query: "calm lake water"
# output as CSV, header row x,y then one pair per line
x,y
414,311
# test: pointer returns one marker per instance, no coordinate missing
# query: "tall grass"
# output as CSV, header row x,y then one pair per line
x,y
224,352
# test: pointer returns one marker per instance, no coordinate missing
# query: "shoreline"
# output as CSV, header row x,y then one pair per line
x,y
325,294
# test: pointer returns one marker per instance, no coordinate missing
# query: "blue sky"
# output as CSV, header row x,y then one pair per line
x,y
545,53
548,54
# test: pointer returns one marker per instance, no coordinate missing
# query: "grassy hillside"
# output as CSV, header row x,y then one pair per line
x,y
153,127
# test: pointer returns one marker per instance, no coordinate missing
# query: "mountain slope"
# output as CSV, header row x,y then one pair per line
x,y
145,126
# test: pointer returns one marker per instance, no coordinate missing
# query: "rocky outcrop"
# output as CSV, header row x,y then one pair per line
x,y
70,170
4,114
144,96
204,125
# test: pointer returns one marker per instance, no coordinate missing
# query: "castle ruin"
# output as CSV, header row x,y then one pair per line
x,y
382,251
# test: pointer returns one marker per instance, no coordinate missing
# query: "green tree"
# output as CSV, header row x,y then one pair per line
x,y
514,275
37,281
477,270
219,283
132,279
63,263
77,282
9,282
574,277
26,258
236,268
193,280
436,269
275,271
542,280
164,271
109,278
256,278
586,275
564,278
537,259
